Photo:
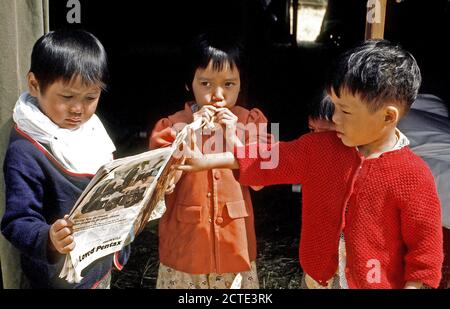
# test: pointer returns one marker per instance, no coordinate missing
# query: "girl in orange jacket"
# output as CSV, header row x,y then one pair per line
x,y
207,235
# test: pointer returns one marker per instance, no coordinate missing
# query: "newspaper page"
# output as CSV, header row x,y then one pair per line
x,y
118,202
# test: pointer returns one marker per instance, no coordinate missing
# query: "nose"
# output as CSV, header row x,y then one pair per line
x,y
217,95
335,117
76,108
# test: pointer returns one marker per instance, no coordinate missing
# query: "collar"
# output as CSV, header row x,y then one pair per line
x,y
402,141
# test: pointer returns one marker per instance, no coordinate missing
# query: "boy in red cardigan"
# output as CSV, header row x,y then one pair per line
x,y
361,184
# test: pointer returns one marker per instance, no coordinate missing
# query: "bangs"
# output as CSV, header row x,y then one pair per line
x,y
86,67
64,55
219,59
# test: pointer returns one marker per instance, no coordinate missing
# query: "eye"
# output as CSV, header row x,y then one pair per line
x,y
205,84
346,112
91,98
230,84
67,97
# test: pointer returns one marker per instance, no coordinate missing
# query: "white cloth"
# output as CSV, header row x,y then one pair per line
x,y
431,104
428,128
83,150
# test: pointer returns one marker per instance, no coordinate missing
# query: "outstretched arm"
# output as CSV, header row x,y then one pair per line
x,y
280,163
209,161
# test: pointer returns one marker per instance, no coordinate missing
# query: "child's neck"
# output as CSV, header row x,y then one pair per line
x,y
385,143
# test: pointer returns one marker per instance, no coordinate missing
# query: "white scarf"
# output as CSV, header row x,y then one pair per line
x,y
82,150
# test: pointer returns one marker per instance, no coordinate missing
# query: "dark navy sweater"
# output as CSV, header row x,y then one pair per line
x,y
40,191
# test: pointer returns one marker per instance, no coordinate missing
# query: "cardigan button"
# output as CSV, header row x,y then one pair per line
x,y
219,220
217,175
208,194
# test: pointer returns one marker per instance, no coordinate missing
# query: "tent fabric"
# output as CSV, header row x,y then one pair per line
x,y
427,127
22,23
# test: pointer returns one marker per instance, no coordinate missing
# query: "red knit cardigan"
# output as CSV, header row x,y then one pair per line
x,y
392,225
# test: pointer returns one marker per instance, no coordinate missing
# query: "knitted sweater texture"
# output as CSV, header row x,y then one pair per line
x,y
392,225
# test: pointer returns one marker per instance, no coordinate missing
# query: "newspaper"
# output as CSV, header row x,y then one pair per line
x,y
116,205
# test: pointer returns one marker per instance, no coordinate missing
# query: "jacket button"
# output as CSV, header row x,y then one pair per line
x,y
219,220
217,175
209,194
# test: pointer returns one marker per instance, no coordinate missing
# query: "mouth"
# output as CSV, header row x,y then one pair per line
x,y
73,120
219,104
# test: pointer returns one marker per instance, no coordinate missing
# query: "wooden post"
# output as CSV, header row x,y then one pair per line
x,y
375,19
294,20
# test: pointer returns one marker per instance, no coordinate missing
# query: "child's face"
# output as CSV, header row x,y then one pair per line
x,y
354,123
218,88
69,105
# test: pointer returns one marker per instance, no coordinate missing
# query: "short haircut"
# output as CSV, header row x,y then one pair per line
x,y
216,46
321,107
378,71
64,54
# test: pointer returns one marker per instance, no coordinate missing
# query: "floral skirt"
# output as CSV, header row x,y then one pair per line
x,y
169,278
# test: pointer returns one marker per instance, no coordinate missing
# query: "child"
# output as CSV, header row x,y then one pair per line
x,y
320,114
207,236
361,182
56,146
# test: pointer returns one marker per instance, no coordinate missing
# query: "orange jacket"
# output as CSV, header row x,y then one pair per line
x,y
208,225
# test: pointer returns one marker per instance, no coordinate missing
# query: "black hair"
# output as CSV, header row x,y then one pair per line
x,y
377,71
321,107
64,54
217,46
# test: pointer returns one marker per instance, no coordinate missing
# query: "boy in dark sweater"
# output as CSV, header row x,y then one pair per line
x,y
56,146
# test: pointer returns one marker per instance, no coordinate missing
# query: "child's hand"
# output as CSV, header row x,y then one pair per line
x,y
227,119
413,285
174,178
60,234
195,161
192,155
207,113
171,185
170,188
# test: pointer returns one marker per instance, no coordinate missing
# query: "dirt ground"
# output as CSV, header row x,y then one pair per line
x,y
277,224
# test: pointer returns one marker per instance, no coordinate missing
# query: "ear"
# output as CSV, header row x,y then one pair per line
x,y
391,114
33,85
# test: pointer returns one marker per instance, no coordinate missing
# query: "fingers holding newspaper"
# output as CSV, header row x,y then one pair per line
x,y
190,151
174,177
61,238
